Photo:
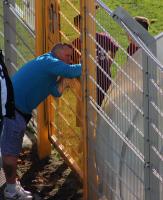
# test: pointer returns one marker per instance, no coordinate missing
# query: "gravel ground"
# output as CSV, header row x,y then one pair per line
x,y
47,179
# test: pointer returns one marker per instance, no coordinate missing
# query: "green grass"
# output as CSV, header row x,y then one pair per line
x,y
26,47
69,13
153,10
21,32
147,8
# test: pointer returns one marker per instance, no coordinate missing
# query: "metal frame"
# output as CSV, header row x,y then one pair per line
x,y
10,37
149,71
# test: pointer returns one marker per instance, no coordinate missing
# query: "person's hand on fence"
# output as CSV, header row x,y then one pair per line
x,y
74,84
64,83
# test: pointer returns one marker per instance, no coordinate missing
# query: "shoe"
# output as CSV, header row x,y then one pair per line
x,y
18,185
19,194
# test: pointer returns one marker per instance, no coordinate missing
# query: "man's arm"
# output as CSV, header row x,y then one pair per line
x,y
66,70
56,90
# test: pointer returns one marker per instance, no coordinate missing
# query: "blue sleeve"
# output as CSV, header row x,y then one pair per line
x,y
66,70
55,92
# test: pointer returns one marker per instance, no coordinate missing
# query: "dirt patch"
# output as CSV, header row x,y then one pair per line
x,y
48,179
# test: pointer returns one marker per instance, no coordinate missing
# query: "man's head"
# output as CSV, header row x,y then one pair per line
x,y
63,52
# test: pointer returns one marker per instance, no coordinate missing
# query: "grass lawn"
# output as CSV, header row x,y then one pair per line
x,y
25,43
153,10
147,8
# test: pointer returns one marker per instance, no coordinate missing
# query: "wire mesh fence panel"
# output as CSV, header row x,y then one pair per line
x,y
156,120
124,93
17,33
1,26
66,122
25,9
119,151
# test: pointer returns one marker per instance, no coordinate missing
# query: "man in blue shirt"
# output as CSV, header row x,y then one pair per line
x,y
33,83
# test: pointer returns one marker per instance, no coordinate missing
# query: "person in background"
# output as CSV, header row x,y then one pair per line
x,y
133,47
33,83
104,44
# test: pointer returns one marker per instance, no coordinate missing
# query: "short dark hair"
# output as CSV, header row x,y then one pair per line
x,y
59,46
143,21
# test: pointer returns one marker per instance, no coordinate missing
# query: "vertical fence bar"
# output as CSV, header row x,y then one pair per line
x,y
52,37
91,94
146,128
10,36
84,96
44,146
150,139
149,72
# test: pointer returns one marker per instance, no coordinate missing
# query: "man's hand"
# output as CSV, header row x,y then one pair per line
x,y
63,84
74,84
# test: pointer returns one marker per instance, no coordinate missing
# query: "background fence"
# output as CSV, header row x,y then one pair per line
x,y
111,133
19,33
66,123
124,130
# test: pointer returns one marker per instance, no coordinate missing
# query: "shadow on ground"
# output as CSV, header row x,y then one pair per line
x,y
47,179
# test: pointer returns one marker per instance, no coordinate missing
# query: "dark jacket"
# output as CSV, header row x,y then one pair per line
x,y
10,106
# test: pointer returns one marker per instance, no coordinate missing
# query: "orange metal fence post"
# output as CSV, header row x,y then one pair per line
x,y
44,146
89,46
84,96
52,26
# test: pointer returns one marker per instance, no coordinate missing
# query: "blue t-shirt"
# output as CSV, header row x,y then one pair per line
x,y
37,79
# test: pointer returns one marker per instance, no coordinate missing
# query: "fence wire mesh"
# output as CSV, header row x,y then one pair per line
x,y
66,122
17,34
118,156
19,22
124,97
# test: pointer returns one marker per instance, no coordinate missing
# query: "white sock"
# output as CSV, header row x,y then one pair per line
x,y
11,187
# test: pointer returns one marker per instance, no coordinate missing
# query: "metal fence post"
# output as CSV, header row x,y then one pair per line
x,y
83,5
151,183
10,36
43,143
150,116
90,98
